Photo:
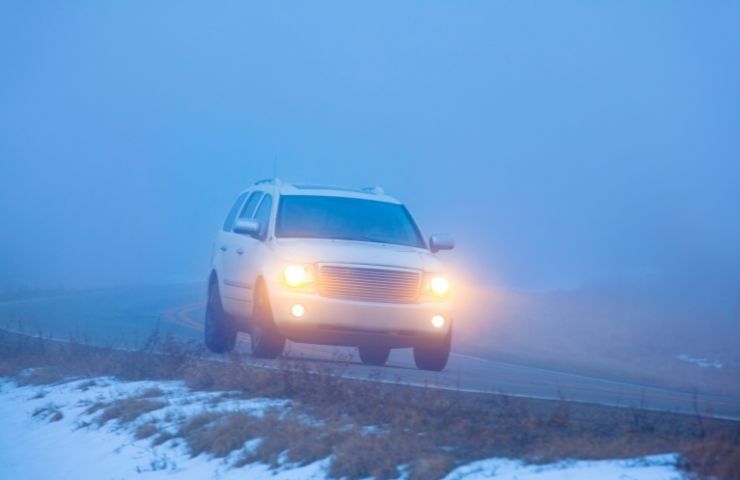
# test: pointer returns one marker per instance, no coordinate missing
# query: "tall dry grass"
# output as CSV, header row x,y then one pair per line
x,y
369,429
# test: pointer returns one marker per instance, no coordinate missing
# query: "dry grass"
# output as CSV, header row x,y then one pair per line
x,y
146,430
717,456
219,434
370,428
49,412
128,409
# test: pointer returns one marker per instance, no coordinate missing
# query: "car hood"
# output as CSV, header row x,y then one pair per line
x,y
355,252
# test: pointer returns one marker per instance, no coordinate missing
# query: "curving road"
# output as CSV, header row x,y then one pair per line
x,y
124,316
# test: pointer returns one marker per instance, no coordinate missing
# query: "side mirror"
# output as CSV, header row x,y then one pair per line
x,y
247,226
441,241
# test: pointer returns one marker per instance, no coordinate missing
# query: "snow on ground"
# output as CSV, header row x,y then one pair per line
x,y
700,362
35,447
658,467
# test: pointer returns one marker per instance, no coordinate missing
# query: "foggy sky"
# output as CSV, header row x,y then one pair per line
x,y
561,143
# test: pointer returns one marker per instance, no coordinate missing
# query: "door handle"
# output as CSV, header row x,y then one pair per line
x,y
239,250
223,248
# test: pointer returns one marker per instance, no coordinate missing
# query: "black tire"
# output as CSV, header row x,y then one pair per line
x,y
266,340
433,356
219,331
374,355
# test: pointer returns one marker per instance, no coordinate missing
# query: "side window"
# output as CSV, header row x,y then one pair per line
x,y
229,222
251,204
263,215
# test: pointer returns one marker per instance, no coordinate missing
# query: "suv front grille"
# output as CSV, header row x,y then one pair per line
x,y
369,284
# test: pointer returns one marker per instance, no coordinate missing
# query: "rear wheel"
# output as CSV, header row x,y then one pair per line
x,y
219,330
267,342
374,355
433,356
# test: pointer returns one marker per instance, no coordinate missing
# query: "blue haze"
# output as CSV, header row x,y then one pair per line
x,y
563,143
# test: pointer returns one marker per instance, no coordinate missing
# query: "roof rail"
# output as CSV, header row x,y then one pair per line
x,y
375,190
272,181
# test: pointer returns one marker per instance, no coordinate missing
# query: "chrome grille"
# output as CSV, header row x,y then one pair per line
x,y
369,284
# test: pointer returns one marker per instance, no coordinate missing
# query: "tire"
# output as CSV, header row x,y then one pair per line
x,y
266,340
219,331
433,356
374,355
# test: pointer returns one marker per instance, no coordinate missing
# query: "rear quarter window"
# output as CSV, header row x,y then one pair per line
x,y
251,204
231,216
263,215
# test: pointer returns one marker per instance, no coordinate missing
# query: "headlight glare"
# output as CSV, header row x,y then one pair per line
x,y
296,275
438,285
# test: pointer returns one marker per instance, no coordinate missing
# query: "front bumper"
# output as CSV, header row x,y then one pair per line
x,y
347,322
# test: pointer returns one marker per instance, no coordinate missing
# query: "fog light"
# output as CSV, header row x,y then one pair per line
x,y
297,310
438,321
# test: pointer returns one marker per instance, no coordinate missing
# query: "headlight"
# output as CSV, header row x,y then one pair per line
x,y
295,275
438,286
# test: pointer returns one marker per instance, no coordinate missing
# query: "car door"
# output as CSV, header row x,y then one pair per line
x,y
235,288
250,251
220,247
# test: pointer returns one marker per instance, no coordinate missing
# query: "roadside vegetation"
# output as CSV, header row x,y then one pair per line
x,y
368,429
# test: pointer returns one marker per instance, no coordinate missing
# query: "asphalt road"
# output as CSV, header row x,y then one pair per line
x,y
123,317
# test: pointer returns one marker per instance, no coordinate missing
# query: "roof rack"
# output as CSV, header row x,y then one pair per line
x,y
269,181
308,186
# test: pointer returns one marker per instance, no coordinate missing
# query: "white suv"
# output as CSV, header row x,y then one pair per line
x,y
331,266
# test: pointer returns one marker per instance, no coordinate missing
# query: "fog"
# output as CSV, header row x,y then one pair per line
x,y
576,146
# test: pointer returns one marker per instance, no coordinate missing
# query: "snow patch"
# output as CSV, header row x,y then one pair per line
x,y
35,448
657,467
700,362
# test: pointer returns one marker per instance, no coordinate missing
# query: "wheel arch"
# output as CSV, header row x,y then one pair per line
x,y
259,283
260,287
212,279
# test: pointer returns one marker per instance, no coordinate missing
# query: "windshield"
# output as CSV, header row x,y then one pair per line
x,y
344,218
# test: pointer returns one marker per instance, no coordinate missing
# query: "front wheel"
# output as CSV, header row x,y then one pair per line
x,y
266,340
219,331
433,356
374,355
